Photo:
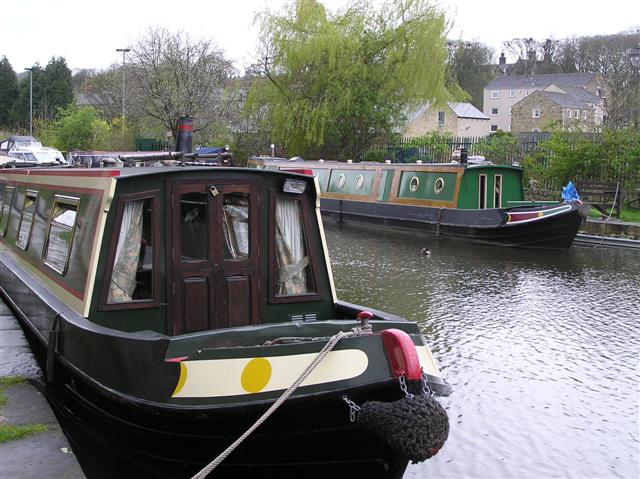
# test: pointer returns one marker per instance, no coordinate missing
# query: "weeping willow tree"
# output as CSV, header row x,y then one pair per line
x,y
333,83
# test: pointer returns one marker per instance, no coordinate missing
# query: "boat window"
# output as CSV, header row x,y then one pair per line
x,y
194,220
7,201
497,191
61,229
414,184
341,181
132,273
482,192
293,267
359,182
236,225
26,221
438,186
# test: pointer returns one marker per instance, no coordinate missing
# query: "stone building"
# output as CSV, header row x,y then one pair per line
x,y
502,93
457,119
573,108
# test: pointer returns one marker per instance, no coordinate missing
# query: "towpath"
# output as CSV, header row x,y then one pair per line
x,y
44,455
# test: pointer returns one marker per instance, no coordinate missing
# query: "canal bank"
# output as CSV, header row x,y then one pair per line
x,y
43,455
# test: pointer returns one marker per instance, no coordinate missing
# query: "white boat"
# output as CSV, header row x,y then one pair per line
x,y
28,149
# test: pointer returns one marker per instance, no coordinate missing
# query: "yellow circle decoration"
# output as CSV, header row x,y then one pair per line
x,y
256,375
540,214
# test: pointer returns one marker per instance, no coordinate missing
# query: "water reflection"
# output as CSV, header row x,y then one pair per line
x,y
542,348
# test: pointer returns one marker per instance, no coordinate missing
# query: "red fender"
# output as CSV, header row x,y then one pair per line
x,y
401,354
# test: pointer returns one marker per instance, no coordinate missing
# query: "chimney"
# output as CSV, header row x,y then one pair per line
x,y
503,59
463,155
185,134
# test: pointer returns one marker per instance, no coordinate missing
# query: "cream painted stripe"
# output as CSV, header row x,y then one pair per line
x,y
98,183
222,377
65,296
427,361
327,260
92,269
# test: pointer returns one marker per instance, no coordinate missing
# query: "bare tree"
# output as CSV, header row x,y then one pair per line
x,y
173,75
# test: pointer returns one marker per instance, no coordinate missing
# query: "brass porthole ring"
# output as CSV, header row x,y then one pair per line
x,y
413,184
438,186
341,181
359,182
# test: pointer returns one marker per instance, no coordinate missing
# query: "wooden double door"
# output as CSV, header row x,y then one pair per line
x,y
214,255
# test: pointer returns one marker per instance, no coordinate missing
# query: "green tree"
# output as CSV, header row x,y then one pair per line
x,y
8,91
472,69
55,87
334,82
82,129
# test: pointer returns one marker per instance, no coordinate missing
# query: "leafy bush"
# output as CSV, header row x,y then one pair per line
x,y
374,155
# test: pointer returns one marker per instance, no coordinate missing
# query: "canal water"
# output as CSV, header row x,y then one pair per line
x,y
542,348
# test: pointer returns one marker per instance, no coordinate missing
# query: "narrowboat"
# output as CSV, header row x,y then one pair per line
x,y
479,202
175,310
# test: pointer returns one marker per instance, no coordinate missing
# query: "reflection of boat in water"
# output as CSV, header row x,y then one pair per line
x,y
479,202
171,307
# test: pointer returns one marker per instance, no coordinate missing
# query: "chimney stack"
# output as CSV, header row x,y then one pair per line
x,y
185,134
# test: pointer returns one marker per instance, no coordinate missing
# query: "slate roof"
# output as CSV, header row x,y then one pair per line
x,y
573,98
461,110
540,80
467,110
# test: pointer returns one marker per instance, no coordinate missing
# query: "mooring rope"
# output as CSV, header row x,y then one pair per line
x,y
604,224
316,361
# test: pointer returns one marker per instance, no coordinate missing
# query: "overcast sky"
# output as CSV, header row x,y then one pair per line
x,y
87,32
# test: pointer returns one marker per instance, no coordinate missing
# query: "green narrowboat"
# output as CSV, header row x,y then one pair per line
x,y
171,308
479,202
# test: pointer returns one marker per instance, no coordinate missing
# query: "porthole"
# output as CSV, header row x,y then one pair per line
x,y
359,182
438,186
413,184
341,181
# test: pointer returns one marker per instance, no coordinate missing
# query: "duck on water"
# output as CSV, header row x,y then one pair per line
x,y
171,307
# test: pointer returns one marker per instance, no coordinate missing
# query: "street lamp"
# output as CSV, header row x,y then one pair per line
x,y
634,56
124,52
30,70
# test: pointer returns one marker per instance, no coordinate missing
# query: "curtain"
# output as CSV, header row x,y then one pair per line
x,y
125,267
290,249
236,227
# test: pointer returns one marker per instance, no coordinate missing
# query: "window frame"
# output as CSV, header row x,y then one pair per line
x,y
482,199
66,200
309,244
28,193
496,109
154,301
512,93
441,118
3,230
534,111
497,191
492,129
495,94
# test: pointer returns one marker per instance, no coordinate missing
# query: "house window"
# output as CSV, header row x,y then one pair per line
x,y
526,93
495,94
26,220
536,113
60,236
294,275
440,118
494,111
576,113
494,127
7,201
133,266
512,93
601,93
509,110
584,114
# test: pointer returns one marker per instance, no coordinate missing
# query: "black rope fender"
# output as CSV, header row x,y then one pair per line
x,y
415,427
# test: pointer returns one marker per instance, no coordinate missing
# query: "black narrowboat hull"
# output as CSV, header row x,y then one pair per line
x,y
490,226
116,434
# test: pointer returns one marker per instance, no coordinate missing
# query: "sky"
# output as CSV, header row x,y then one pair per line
x,y
87,33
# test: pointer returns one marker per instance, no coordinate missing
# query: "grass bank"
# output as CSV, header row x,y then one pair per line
x,y
11,432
